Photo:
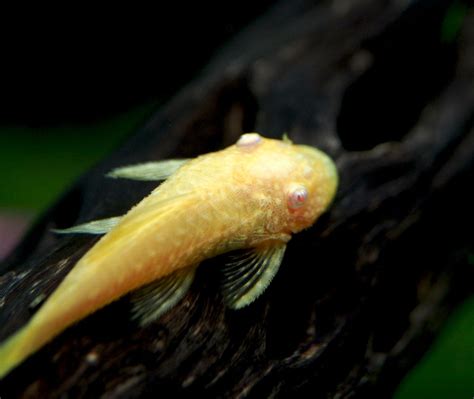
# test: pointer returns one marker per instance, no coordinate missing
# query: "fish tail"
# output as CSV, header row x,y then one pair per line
x,y
13,351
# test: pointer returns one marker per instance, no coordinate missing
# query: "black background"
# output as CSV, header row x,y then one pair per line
x,y
81,63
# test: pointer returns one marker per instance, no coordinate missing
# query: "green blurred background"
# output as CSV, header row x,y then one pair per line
x,y
36,165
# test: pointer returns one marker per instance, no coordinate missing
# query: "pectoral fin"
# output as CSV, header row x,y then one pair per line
x,y
246,278
155,299
101,226
150,171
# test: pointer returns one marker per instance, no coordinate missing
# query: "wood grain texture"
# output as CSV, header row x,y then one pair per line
x,y
360,295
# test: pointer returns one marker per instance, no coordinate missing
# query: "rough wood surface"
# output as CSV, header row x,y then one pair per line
x,y
361,294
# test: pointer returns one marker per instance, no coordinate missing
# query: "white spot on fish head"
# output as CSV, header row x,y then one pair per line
x,y
249,140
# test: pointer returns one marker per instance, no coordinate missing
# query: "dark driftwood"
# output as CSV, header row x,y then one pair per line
x,y
359,296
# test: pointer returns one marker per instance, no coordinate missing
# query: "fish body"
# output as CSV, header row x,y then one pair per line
x,y
253,194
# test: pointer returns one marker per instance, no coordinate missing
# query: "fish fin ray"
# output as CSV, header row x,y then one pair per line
x,y
101,226
286,139
153,300
149,171
13,351
246,278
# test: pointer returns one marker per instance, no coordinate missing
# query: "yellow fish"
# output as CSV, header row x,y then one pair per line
x,y
252,195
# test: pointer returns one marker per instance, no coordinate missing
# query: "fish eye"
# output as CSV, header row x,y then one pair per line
x,y
297,196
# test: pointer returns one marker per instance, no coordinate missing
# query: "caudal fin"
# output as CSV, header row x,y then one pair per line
x,y
13,351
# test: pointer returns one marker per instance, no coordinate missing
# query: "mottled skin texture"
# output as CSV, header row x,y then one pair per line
x,y
218,202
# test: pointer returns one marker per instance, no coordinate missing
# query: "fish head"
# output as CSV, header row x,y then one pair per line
x,y
297,182
310,187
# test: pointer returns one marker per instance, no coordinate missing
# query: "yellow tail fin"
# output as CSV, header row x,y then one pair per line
x,y
13,351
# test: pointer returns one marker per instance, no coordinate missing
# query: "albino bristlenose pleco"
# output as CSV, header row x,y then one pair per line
x,y
252,195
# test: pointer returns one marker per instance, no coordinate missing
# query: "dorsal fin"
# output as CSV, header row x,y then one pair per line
x,y
101,226
149,171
